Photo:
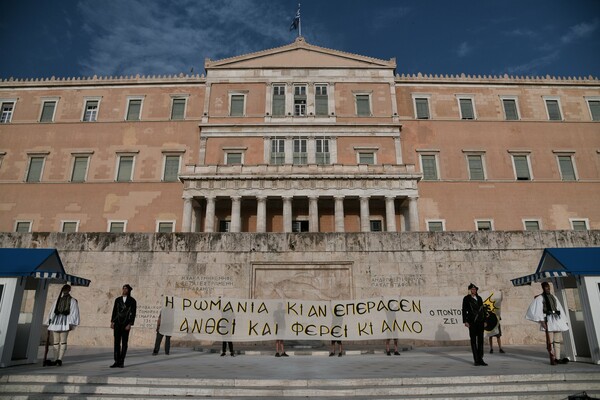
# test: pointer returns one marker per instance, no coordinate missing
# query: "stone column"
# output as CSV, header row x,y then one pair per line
x,y
261,214
186,223
236,219
339,214
413,214
390,214
365,217
209,221
287,214
313,214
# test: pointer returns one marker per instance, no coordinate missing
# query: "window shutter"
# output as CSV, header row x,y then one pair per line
x,y
579,225
117,227
553,110
237,105
234,158
48,111
595,109
23,227
422,108
476,168
35,169
133,112
165,227
435,226
522,168
69,227
321,105
171,168
178,109
79,169
510,109
278,105
566,168
532,226
362,105
429,168
466,109
125,168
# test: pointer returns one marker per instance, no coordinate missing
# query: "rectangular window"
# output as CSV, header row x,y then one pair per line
x,y
178,109
422,107
363,105
521,165
579,224
233,158
300,154
125,169
23,227
80,165
567,170
91,111
484,225
594,106
321,100
116,226
237,105
69,226
510,109
322,156
277,151
300,101
34,172
171,171
429,167
299,226
134,108
435,226
165,227
278,100
224,225
531,225
48,111
366,158
7,111
553,110
476,172
466,108
376,225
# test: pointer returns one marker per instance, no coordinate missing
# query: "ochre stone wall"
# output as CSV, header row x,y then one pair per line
x,y
310,266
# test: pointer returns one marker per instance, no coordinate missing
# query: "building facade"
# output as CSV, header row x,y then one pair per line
x,y
299,139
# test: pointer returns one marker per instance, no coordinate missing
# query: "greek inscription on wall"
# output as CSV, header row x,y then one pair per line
x,y
203,285
397,281
146,316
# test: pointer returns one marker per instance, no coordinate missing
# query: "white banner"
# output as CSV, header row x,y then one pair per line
x,y
425,318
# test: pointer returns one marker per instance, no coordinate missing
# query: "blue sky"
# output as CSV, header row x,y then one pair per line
x,y
69,38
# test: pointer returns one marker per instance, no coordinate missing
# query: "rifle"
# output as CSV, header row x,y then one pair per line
x,y
548,342
47,362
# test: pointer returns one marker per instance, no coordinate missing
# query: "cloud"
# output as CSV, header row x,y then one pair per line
x,y
522,33
168,37
463,49
581,30
384,17
534,66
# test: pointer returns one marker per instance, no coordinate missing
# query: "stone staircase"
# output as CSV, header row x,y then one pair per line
x,y
521,387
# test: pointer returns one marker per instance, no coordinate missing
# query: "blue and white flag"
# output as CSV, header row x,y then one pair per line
x,y
296,22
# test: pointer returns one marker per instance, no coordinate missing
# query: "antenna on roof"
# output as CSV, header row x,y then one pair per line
x,y
296,22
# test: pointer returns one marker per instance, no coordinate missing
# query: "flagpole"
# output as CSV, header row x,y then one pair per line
x,y
299,22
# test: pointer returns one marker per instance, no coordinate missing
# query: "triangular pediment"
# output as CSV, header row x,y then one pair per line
x,y
300,54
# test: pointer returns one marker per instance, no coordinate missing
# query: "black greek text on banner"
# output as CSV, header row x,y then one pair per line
x,y
425,318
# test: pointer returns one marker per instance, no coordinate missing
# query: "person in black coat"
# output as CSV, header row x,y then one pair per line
x,y
121,321
474,315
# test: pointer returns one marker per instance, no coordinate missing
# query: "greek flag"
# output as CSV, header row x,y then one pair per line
x,y
296,22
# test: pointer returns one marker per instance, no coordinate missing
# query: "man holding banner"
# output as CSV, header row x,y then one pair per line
x,y
474,315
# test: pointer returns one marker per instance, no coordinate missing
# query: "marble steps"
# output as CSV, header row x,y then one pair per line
x,y
521,387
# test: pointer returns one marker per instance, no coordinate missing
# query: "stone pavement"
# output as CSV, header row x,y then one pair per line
x,y
432,362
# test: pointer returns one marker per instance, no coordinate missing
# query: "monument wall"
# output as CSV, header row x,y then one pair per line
x,y
310,266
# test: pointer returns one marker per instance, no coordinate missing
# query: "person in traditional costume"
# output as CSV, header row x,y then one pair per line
x,y
63,318
546,310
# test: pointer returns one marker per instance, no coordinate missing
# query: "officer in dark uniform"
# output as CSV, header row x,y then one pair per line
x,y
121,321
474,315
